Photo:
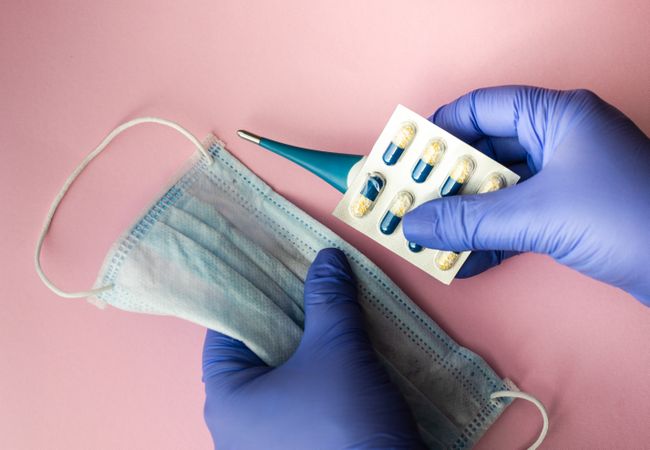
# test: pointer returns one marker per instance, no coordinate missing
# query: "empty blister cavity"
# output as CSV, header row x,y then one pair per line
x,y
431,156
492,182
398,207
458,176
364,201
415,248
445,260
400,142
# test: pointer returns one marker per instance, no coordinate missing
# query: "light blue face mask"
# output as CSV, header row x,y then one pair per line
x,y
221,249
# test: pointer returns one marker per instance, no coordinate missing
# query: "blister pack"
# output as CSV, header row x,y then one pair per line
x,y
412,162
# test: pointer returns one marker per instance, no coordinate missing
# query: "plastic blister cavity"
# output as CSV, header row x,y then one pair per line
x,y
367,196
445,260
458,176
398,207
492,182
430,157
399,143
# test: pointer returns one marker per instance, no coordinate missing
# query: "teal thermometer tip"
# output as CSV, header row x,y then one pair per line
x,y
337,169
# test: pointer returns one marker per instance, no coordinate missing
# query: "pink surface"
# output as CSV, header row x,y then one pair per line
x,y
74,377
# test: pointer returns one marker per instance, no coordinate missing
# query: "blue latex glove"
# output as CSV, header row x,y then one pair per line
x,y
587,203
332,393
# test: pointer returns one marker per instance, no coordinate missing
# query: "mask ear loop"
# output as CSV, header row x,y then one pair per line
x,y
534,401
59,197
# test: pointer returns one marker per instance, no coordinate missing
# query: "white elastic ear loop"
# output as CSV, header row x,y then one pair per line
x,y
55,204
534,401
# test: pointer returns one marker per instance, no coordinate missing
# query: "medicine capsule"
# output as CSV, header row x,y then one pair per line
x,y
415,248
365,199
431,155
445,260
459,175
398,207
400,142
493,182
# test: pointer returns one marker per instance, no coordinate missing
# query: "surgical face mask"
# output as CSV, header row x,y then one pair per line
x,y
221,249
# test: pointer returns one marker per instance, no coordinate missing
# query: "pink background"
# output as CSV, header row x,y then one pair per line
x,y
326,76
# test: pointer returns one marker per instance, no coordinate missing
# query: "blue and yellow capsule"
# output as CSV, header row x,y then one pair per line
x,y
458,176
400,142
445,260
431,156
492,182
415,248
393,216
364,201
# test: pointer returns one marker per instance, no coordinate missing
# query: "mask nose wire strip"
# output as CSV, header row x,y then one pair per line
x,y
59,197
534,401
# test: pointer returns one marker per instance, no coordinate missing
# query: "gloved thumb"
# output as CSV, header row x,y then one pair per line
x,y
332,314
514,219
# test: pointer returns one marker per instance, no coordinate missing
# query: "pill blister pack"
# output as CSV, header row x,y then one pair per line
x,y
412,162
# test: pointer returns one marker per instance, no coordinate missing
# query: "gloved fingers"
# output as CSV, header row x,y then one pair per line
x,y
510,219
482,112
483,260
331,308
505,150
224,356
329,280
507,111
228,367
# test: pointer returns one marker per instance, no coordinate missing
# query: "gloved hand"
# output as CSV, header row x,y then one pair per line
x,y
332,393
587,203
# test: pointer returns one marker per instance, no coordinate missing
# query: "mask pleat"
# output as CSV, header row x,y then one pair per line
x,y
253,264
